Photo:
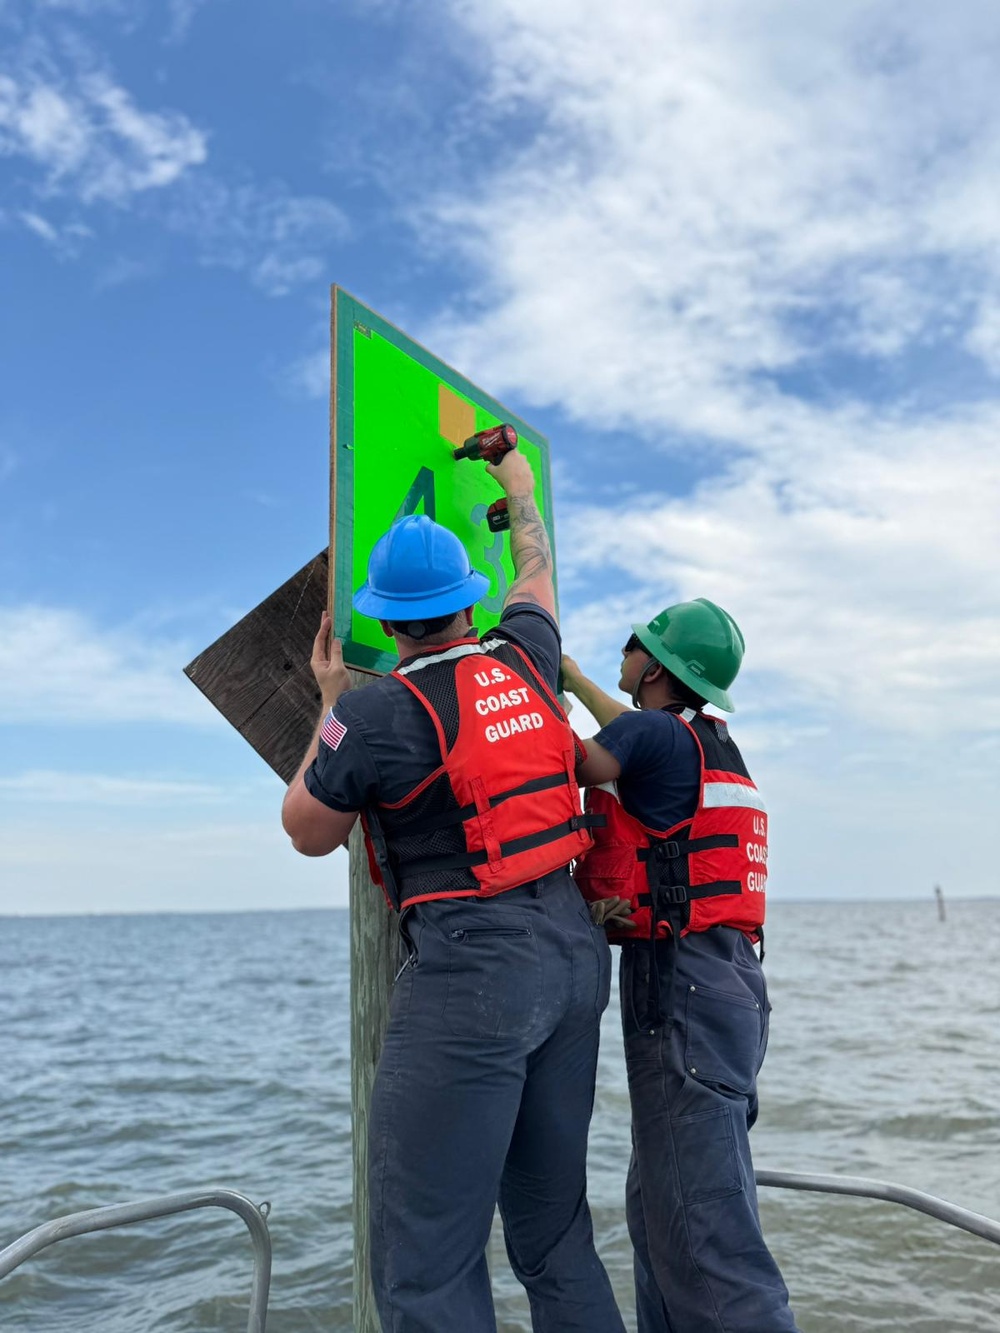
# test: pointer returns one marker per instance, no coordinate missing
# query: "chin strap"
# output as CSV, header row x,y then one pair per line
x,y
650,665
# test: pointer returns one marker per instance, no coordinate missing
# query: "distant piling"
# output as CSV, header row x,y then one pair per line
x,y
939,895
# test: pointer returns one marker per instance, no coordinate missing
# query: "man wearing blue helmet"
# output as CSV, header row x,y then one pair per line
x,y
462,764
678,874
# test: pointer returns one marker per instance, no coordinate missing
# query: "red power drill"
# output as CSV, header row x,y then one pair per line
x,y
489,445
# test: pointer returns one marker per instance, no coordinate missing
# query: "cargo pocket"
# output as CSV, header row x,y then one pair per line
x,y
724,1039
706,1156
494,981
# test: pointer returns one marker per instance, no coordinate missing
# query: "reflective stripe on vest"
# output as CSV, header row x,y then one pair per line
x,y
731,793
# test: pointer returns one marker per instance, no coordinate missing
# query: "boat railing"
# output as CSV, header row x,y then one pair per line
x,y
863,1188
145,1210
255,1217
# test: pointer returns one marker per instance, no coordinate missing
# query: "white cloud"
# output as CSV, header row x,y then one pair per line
x,y
85,135
309,375
88,789
40,227
155,148
65,240
88,144
983,339
765,238
88,8
182,14
711,200
55,665
279,240
869,580
712,195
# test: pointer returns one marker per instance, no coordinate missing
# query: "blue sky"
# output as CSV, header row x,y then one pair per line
x,y
740,263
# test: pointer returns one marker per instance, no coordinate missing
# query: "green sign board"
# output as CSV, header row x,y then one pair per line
x,y
397,413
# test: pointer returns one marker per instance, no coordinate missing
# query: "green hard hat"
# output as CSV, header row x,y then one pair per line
x,y
700,643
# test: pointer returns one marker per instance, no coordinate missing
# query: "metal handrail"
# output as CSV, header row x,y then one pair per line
x,y
882,1189
124,1214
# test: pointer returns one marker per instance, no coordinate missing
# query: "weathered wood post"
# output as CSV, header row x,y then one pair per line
x,y
374,940
374,953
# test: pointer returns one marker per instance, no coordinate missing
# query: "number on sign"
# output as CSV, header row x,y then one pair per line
x,y
422,488
493,555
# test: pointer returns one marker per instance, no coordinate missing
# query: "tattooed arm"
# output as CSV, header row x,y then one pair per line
x,y
529,542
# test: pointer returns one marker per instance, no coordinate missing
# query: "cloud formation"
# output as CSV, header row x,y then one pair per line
x,y
87,789
83,145
56,666
85,135
748,191
864,582
279,240
763,239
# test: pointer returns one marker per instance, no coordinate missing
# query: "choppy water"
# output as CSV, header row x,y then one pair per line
x,y
143,1055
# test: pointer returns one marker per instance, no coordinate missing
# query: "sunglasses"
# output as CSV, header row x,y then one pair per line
x,y
634,642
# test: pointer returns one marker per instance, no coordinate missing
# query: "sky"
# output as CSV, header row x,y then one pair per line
x,y
740,263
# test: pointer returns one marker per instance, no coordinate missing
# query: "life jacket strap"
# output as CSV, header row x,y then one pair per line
x,y
466,812
669,849
671,889
464,860
682,893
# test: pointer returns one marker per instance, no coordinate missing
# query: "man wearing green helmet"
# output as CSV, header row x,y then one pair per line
x,y
677,875
462,764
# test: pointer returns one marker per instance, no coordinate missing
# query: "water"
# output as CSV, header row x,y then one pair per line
x,y
143,1055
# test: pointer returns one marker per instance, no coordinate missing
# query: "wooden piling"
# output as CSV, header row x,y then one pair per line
x,y
374,937
374,962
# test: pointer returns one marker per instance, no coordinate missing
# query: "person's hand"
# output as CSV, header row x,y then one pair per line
x,y
613,912
514,474
570,674
327,664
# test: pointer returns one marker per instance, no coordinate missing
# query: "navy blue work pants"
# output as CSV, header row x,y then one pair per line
x,y
484,1094
701,1264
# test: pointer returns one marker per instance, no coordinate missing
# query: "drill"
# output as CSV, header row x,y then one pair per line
x,y
489,445
498,516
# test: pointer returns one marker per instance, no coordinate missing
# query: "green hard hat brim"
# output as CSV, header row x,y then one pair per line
x,y
720,698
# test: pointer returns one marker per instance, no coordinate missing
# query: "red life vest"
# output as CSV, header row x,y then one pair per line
x,y
503,808
709,870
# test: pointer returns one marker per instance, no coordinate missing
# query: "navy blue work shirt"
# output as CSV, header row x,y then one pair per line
x,y
661,766
382,742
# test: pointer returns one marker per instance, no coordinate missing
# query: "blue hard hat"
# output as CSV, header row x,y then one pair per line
x,y
416,571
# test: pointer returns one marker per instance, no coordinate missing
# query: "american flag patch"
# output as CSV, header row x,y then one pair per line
x,y
333,731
